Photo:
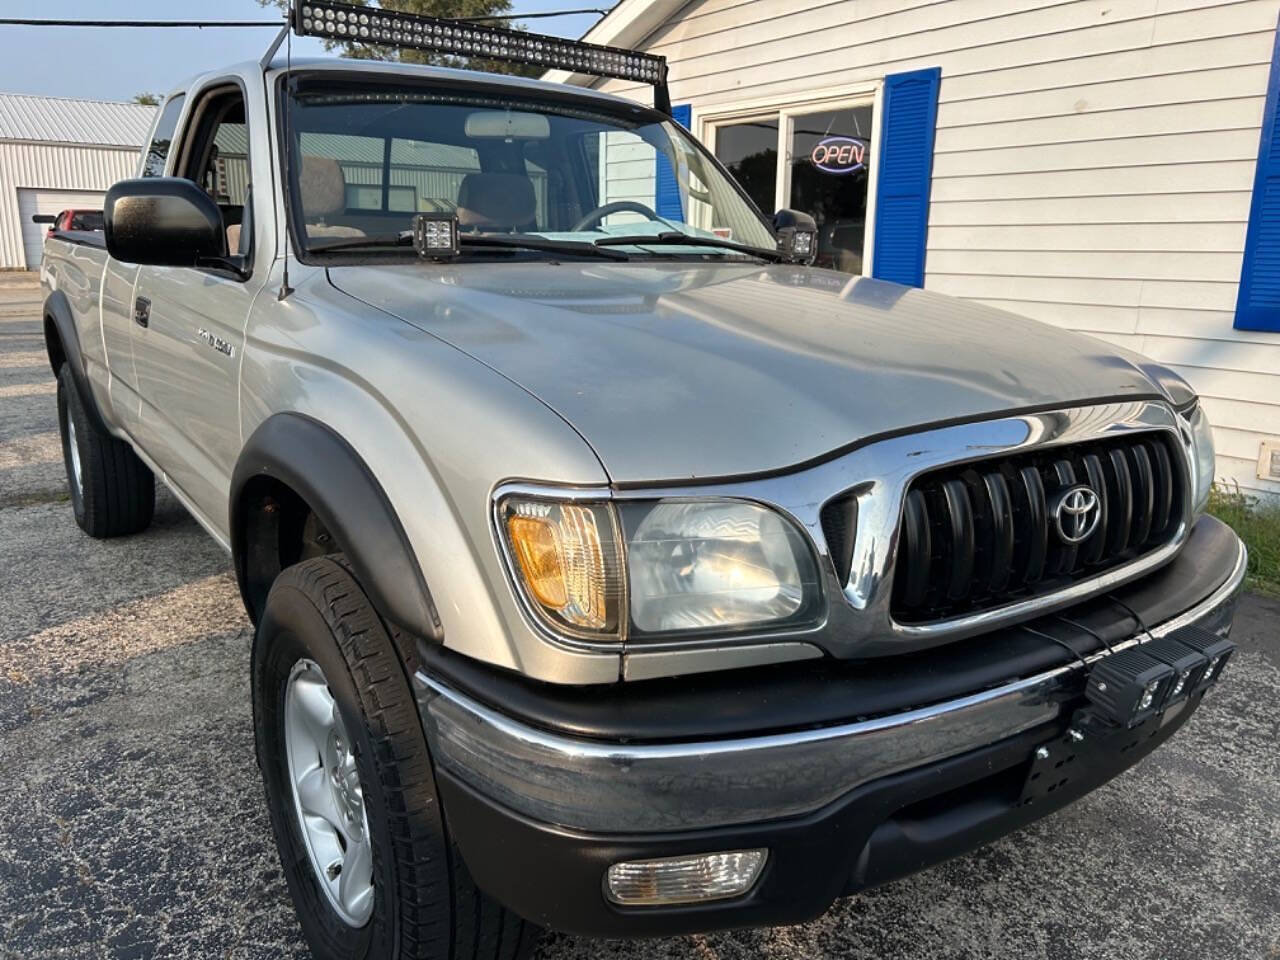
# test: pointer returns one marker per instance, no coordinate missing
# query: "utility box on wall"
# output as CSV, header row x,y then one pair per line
x,y
1269,460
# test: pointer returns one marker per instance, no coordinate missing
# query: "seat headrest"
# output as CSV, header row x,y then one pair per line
x,y
323,189
497,200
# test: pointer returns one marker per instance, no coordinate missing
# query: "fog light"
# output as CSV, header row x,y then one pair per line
x,y
690,879
1130,686
1213,648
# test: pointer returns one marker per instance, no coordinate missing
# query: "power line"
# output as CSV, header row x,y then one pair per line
x,y
598,11
214,24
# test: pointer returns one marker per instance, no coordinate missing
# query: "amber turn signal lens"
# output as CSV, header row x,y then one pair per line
x,y
566,559
537,550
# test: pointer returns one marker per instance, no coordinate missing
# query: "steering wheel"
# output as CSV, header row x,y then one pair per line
x,y
618,206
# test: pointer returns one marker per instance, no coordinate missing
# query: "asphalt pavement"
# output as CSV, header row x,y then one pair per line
x,y
132,820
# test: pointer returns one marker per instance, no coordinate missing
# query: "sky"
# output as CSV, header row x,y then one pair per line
x,y
116,63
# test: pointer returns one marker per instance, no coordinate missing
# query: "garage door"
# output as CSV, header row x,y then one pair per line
x,y
48,201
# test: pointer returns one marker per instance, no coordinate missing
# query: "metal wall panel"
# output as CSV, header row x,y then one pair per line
x,y
52,167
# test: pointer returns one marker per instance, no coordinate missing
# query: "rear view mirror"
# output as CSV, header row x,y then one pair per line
x,y
163,221
507,125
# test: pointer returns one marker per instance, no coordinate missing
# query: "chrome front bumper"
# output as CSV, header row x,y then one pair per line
x,y
597,786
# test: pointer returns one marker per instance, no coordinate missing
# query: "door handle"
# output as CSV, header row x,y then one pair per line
x,y
142,312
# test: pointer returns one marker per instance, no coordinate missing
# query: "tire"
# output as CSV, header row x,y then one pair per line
x,y
424,903
113,493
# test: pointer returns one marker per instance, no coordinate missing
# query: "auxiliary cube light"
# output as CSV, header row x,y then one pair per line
x,y
1217,650
1188,666
797,235
460,38
435,235
1130,686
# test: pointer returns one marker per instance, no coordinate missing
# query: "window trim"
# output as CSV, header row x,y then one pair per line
x,y
155,128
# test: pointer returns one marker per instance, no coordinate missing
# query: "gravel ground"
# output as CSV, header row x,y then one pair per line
x,y
132,822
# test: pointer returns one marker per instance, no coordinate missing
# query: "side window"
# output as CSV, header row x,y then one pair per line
x,y
229,173
158,151
216,156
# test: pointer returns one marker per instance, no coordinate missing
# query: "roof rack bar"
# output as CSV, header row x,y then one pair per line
x,y
345,21
270,55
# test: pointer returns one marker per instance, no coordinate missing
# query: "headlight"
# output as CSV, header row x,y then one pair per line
x,y
700,565
1205,458
687,567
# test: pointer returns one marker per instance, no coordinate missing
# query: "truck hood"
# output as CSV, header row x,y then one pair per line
x,y
676,372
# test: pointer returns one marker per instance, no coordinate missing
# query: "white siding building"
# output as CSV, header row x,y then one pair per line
x,y
58,154
1091,164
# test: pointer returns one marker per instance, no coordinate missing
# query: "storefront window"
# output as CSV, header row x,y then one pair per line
x,y
827,153
749,151
829,156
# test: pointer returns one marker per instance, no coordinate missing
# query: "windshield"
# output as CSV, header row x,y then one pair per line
x,y
367,158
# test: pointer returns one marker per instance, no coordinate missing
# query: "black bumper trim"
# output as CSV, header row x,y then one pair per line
x,y
879,832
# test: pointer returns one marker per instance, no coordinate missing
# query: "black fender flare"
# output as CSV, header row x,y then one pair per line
x,y
57,310
325,471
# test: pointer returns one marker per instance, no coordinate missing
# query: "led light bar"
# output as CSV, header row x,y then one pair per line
x,y
344,21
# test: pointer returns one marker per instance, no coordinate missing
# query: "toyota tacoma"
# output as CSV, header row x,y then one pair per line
x,y
612,570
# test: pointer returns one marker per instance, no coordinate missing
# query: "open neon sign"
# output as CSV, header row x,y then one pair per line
x,y
839,155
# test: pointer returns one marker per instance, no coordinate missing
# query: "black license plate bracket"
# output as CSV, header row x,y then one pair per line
x,y
1088,751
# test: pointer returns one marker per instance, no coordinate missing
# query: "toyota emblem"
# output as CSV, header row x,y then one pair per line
x,y
1077,514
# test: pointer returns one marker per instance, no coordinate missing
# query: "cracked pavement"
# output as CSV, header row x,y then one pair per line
x,y
132,821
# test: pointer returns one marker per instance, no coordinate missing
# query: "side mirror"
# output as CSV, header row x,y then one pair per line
x,y
797,235
164,222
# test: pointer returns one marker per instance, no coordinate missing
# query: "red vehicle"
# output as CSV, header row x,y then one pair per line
x,y
70,220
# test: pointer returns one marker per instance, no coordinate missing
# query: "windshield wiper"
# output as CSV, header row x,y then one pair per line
x,y
518,241
673,238
496,241
357,243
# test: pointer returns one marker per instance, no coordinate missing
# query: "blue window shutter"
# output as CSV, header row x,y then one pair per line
x,y
910,106
668,191
1258,299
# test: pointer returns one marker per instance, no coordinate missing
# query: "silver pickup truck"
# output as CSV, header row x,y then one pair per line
x,y
614,570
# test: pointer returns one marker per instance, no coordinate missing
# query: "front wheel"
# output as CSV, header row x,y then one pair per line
x,y
350,788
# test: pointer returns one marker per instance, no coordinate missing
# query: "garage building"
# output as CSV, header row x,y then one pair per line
x,y
1109,167
57,154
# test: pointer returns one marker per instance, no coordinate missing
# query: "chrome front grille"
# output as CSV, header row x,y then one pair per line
x,y
981,535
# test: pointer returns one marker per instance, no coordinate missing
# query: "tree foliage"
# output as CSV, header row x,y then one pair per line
x,y
147,99
431,8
